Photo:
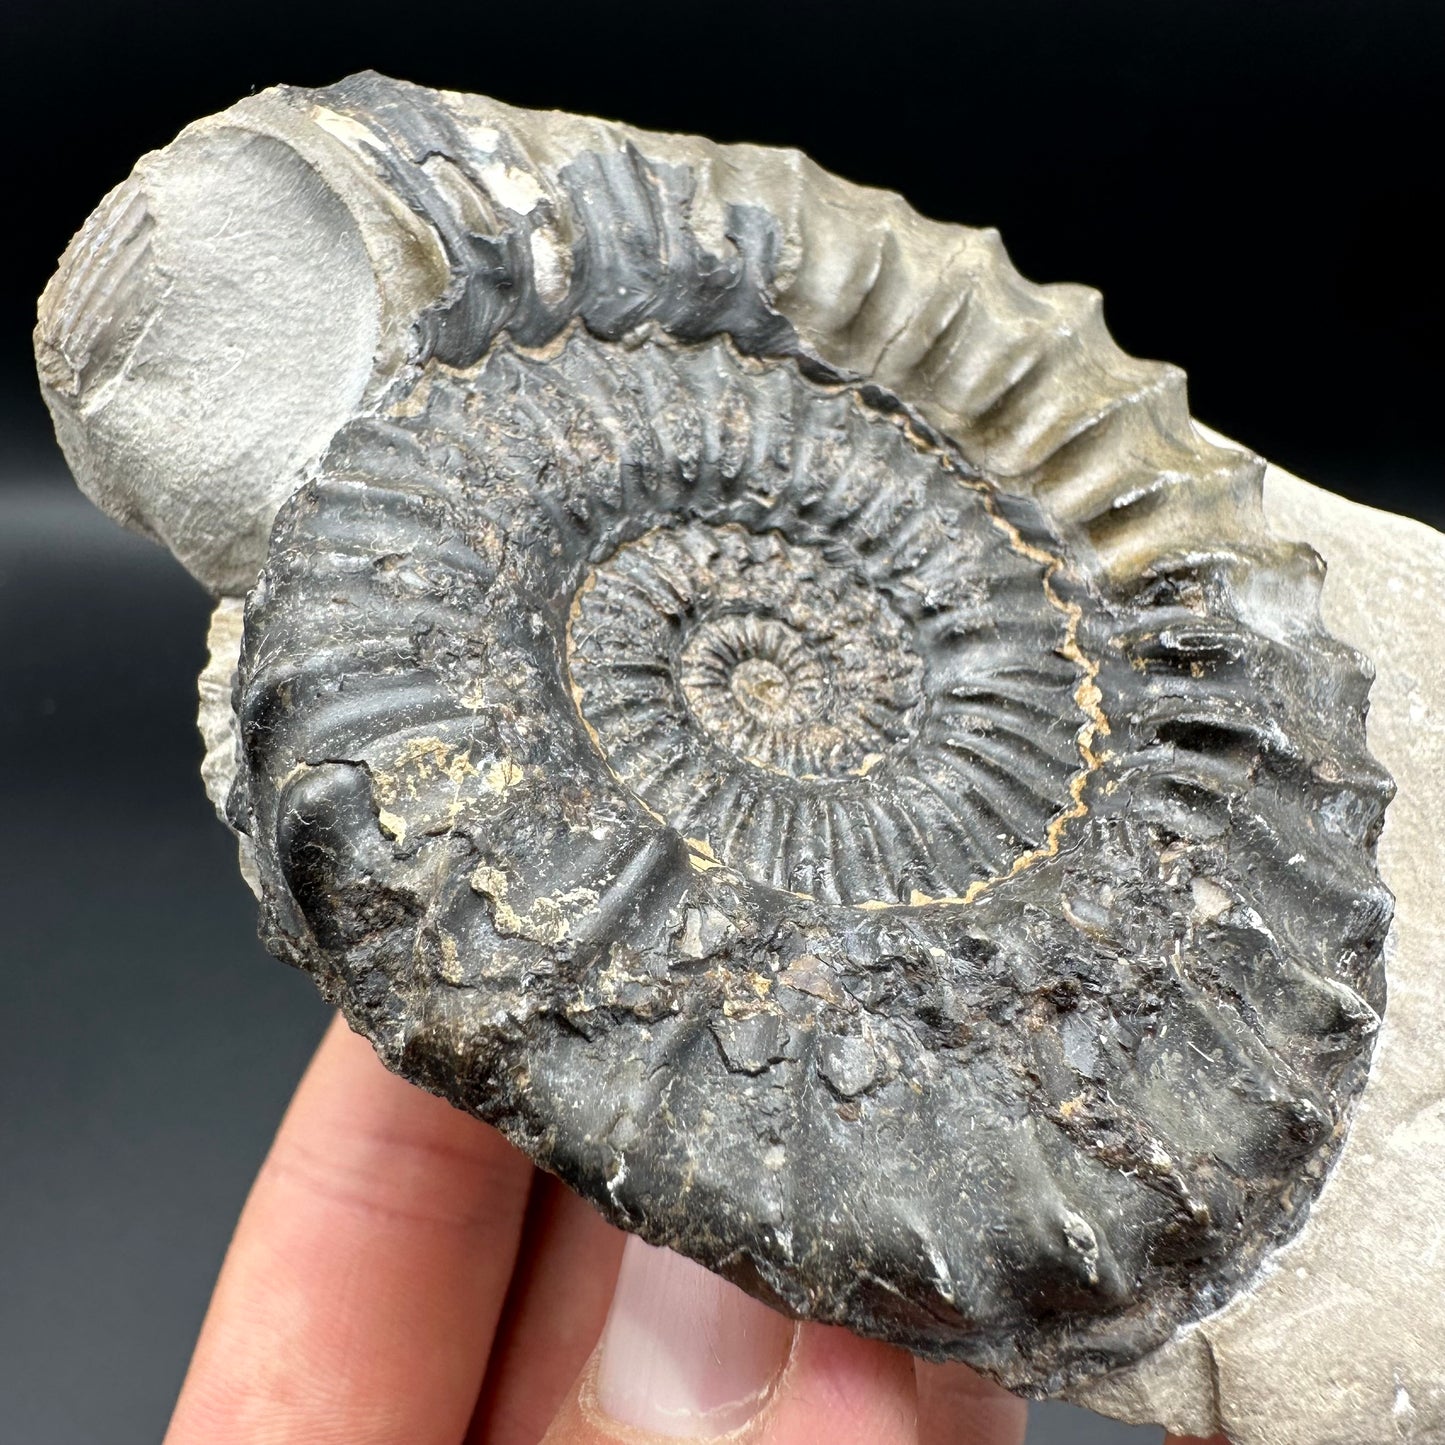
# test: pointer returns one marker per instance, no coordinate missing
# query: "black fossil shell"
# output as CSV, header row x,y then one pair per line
x,y
672,749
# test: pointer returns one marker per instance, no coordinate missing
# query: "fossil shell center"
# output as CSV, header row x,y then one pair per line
x,y
868,694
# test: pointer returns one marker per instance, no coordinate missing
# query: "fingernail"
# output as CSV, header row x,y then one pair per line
x,y
684,1353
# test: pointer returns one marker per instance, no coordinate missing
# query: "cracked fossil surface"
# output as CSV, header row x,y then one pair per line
x,y
749,696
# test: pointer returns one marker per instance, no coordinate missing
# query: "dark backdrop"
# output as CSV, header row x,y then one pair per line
x,y
1248,181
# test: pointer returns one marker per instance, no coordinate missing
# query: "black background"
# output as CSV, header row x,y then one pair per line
x,y
1251,183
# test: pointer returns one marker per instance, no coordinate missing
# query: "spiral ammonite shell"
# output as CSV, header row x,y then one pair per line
x,y
784,719
849,677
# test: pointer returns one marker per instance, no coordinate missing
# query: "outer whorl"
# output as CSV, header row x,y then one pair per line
x,y
785,720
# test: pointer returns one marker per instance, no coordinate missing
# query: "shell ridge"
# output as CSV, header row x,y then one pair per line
x,y
734,830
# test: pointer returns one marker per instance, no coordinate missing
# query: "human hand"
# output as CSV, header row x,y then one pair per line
x,y
402,1276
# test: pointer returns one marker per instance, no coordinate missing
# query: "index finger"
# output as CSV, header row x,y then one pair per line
x,y
359,1296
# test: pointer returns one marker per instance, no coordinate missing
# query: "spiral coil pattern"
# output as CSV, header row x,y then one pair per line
x,y
675,750
861,695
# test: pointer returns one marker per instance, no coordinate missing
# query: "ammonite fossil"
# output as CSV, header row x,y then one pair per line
x,y
781,717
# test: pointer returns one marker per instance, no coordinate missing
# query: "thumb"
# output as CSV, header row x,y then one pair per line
x,y
685,1355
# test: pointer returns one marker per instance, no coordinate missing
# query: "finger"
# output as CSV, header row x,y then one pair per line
x,y
685,1355
554,1313
359,1295
845,1391
957,1406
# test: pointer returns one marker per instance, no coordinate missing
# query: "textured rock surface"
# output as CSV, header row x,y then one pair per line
x,y
198,347
217,723
1340,1340
385,224
606,389
688,768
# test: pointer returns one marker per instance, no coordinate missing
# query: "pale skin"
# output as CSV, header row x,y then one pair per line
x,y
402,1276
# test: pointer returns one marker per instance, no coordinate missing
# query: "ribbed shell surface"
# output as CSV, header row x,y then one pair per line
x,y
851,836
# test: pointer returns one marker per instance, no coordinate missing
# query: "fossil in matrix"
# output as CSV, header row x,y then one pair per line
x,y
749,696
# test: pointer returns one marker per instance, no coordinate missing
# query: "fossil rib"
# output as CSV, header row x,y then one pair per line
x,y
758,701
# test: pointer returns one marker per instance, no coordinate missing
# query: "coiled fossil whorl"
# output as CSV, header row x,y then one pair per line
x,y
784,719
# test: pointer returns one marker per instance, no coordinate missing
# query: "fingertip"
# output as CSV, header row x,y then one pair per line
x,y
958,1406
556,1306
842,1388
684,1354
